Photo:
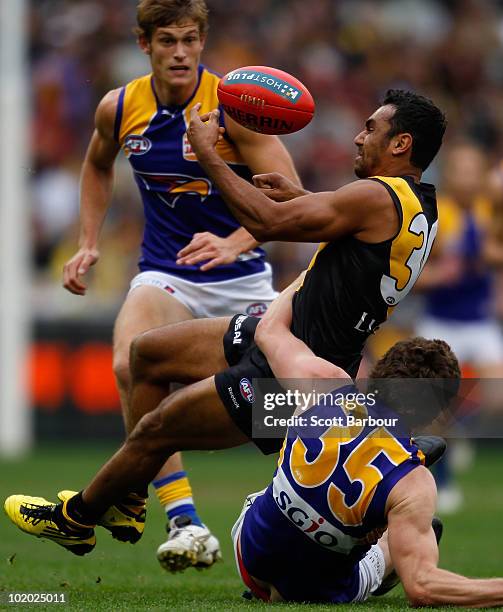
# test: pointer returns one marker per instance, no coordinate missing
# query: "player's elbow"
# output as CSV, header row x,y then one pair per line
x,y
269,226
258,234
264,332
418,598
260,230
93,167
267,233
418,592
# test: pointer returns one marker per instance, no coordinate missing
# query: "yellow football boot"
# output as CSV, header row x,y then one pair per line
x,y
125,521
39,517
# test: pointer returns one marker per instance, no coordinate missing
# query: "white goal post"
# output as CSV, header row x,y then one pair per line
x,y
15,415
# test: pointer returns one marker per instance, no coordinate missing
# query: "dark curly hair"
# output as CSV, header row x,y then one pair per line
x,y
419,117
436,373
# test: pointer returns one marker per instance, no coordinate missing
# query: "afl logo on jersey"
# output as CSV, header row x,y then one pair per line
x,y
246,389
135,144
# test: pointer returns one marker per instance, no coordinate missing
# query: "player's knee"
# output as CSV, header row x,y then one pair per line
x,y
151,357
141,363
121,368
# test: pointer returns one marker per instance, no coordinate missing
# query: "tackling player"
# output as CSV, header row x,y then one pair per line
x,y
187,224
310,535
379,232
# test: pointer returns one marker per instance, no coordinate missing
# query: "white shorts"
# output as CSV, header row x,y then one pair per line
x,y
248,294
371,568
479,343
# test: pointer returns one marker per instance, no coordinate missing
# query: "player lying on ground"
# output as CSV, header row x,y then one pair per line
x,y
378,232
308,536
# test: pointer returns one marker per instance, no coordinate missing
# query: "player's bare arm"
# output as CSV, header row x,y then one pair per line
x,y
289,357
414,551
261,153
95,193
309,218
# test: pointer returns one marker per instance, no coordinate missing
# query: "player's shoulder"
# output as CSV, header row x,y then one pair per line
x,y
210,74
207,83
365,193
417,486
106,112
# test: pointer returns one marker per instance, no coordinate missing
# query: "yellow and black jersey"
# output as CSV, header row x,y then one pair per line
x,y
352,286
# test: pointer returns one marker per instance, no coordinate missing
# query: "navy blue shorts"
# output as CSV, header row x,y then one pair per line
x,y
234,385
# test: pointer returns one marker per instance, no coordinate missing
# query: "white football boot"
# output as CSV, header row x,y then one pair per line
x,y
188,546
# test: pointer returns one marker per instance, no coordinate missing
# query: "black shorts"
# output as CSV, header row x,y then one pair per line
x,y
234,385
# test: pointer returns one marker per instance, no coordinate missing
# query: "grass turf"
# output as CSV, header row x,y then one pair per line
x,y
120,576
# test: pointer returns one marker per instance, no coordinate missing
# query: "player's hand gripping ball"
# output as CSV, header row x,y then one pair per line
x,y
266,100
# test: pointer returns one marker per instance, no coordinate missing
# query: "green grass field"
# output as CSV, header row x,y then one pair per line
x,y
123,577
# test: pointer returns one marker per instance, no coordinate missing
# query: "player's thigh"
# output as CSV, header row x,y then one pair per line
x,y
194,418
183,352
144,308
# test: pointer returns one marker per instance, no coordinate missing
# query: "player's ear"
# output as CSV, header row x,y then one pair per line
x,y
144,44
401,143
202,38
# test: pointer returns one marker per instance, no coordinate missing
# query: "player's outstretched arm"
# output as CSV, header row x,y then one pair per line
x,y
96,184
414,550
288,356
310,218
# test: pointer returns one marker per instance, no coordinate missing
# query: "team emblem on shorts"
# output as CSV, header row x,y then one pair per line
x,y
135,144
257,309
246,389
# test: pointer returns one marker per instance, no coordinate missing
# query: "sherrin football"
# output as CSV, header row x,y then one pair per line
x,y
266,100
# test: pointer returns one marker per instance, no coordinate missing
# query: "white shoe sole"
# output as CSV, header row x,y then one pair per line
x,y
175,560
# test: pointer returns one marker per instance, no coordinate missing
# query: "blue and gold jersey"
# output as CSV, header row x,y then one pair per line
x,y
178,197
351,286
328,494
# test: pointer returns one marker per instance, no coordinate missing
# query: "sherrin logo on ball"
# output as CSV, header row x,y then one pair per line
x,y
266,100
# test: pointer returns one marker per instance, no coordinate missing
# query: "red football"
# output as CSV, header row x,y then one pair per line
x,y
266,100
